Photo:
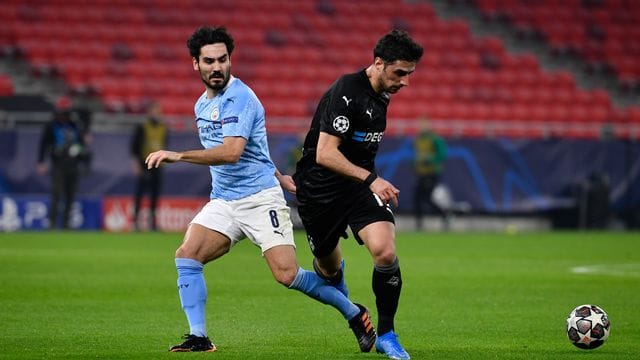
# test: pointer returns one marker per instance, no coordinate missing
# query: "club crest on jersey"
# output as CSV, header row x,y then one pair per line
x,y
215,114
341,124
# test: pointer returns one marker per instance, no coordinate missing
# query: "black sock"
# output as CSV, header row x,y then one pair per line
x,y
387,283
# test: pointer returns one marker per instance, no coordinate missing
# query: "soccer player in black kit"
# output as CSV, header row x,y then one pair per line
x,y
337,185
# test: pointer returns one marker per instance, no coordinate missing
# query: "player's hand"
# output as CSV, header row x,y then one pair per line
x,y
385,191
287,183
158,157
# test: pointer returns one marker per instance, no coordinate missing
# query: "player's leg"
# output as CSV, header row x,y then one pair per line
x,y
200,246
282,262
265,219
379,237
331,269
284,267
372,223
386,280
324,226
209,236
361,324
269,226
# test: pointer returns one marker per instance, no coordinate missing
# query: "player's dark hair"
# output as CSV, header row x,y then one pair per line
x,y
209,35
397,45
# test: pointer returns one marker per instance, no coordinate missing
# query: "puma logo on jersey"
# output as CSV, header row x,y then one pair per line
x,y
278,232
310,240
347,100
370,113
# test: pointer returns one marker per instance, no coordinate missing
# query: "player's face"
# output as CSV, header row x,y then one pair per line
x,y
214,66
395,75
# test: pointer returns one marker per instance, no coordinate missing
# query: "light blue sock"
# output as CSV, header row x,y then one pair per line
x,y
314,286
193,294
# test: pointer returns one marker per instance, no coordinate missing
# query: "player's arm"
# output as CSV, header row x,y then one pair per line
x,y
227,153
328,155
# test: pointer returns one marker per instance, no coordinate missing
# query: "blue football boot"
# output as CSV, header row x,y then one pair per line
x,y
388,344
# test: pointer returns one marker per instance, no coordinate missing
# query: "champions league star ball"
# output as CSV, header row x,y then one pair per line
x,y
588,326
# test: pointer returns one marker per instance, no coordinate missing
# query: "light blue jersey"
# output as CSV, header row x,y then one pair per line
x,y
236,111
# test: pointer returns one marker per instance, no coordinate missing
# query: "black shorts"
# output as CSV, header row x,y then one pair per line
x,y
325,224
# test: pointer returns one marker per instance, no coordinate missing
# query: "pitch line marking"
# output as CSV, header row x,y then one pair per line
x,y
632,270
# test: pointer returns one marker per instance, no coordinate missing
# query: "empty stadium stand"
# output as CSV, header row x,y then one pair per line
x,y
128,52
605,33
6,86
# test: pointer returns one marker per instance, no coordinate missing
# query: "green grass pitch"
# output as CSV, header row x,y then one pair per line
x,y
87,295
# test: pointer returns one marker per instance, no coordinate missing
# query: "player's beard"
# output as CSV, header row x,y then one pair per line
x,y
392,89
389,89
217,86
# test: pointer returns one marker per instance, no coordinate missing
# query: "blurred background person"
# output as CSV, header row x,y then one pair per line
x,y
148,137
63,142
82,116
430,153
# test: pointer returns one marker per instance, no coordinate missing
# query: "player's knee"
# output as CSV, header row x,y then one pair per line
x,y
190,253
286,277
385,257
183,252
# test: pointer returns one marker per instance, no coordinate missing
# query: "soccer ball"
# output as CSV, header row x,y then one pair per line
x,y
588,326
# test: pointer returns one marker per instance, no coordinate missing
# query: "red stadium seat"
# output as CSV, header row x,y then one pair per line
x,y
460,77
572,26
6,86
633,115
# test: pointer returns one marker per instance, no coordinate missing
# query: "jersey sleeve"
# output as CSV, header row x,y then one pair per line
x,y
238,114
338,119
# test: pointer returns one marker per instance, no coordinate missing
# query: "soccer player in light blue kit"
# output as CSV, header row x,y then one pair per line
x,y
246,198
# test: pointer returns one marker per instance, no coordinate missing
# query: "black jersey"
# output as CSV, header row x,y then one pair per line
x,y
354,112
